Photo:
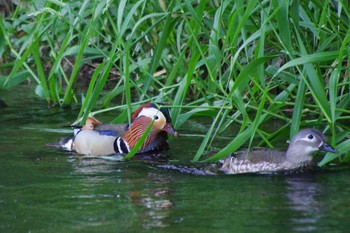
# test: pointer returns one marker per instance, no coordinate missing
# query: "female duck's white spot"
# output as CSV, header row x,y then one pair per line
x,y
310,149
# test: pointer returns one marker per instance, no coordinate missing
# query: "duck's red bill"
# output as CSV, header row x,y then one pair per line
x,y
170,130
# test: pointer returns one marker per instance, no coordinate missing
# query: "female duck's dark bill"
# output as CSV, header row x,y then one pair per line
x,y
328,148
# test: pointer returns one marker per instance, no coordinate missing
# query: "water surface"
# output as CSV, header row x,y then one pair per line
x,y
45,190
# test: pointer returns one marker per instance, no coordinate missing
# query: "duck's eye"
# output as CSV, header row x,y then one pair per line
x,y
310,136
156,117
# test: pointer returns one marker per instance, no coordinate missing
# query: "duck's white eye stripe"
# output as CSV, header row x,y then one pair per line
x,y
320,144
152,113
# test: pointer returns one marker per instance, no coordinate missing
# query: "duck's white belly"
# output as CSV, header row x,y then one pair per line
x,y
90,142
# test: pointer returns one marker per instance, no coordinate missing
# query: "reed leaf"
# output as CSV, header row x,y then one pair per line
x,y
206,138
298,108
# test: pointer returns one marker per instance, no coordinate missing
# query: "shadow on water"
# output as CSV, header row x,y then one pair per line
x,y
42,189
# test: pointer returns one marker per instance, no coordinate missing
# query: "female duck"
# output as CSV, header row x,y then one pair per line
x,y
298,155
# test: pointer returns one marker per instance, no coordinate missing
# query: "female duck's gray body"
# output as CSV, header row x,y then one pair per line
x,y
298,155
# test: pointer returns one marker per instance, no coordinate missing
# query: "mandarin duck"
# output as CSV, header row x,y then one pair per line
x,y
100,139
298,155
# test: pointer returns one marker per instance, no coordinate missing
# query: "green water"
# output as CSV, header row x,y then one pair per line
x,y
45,190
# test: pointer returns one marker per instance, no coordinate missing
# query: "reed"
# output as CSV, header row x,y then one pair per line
x,y
237,62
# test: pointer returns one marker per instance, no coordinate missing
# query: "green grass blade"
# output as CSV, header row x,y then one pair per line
x,y
206,138
183,88
69,91
310,58
168,27
88,97
298,108
234,145
282,18
126,65
41,74
333,93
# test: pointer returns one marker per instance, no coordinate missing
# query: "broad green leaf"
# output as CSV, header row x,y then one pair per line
x,y
14,80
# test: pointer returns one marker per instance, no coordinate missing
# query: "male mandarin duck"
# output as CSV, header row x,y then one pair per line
x,y
298,155
99,139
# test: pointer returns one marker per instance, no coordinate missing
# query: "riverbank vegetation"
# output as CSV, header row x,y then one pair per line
x,y
235,62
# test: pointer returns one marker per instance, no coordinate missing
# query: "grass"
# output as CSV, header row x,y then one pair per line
x,y
237,62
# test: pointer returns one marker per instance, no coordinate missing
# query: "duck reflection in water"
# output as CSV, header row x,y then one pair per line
x,y
142,194
153,201
302,191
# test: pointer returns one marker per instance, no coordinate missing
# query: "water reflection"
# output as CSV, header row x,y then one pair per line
x,y
154,202
302,194
131,185
92,166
